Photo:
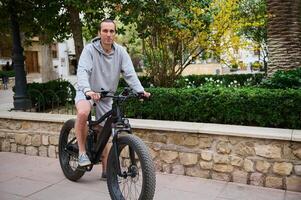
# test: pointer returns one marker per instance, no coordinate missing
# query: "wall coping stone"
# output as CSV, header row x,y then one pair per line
x,y
175,126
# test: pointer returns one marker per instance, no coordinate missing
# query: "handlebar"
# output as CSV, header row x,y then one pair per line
x,y
125,94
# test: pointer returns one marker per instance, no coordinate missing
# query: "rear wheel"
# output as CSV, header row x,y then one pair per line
x,y
68,152
139,178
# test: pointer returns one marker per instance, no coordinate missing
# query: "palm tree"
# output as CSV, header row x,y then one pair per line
x,y
284,34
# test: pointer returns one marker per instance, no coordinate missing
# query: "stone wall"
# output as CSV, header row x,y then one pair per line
x,y
262,162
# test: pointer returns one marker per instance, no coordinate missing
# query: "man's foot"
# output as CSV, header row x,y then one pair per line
x,y
83,160
103,175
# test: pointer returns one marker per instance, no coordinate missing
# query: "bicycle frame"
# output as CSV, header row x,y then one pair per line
x,y
114,124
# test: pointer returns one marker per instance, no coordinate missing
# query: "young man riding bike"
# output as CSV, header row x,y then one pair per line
x,y
99,68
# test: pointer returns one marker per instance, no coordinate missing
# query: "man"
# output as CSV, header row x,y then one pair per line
x,y
100,65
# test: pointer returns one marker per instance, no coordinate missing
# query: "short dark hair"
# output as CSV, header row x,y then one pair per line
x,y
107,20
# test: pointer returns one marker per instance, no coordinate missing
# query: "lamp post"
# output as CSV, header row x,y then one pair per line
x,y
21,100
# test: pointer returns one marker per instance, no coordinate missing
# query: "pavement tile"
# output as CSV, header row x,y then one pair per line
x,y
38,178
236,191
292,195
22,186
166,193
7,196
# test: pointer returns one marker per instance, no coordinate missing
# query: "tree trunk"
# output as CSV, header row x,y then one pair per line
x,y
284,35
76,28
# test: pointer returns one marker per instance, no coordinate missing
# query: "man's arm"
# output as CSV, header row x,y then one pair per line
x,y
84,70
129,73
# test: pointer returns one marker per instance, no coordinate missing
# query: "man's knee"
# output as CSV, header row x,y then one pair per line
x,y
83,109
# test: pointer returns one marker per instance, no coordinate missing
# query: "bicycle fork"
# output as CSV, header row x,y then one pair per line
x,y
131,172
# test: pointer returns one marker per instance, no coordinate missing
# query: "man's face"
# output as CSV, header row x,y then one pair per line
x,y
107,33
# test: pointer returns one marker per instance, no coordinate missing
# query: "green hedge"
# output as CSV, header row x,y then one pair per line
x,y
50,94
200,80
241,106
284,79
10,73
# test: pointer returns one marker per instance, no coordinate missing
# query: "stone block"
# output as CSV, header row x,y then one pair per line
x,y
23,139
178,169
45,139
297,153
206,155
262,166
14,125
43,151
222,159
36,140
54,140
5,145
236,161
197,172
188,159
223,168
245,149
175,138
240,176
21,149
158,165
206,165
256,179
191,141
51,151
293,183
273,182
248,165
168,156
25,125
156,137
297,169
205,142
282,168
221,176
13,148
153,153
268,151
33,151
223,147
166,168
2,134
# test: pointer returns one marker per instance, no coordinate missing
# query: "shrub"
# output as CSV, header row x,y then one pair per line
x,y
10,73
241,106
50,94
284,79
193,81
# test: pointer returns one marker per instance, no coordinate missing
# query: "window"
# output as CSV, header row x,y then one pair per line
x,y
54,50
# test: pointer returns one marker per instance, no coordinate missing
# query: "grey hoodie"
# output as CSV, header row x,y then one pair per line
x,y
97,69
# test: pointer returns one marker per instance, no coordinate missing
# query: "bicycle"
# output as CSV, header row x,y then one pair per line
x,y
129,161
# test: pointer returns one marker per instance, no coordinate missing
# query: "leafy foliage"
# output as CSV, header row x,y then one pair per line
x,y
284,79
50,94
241,106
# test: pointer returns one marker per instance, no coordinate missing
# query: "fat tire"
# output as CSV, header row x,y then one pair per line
x,y
147,166
64,158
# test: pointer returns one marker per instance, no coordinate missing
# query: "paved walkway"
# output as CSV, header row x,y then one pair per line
x,y
39,178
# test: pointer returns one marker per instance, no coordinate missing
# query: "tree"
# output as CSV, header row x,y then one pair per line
x,y
256,27
284,34
174,33
30,16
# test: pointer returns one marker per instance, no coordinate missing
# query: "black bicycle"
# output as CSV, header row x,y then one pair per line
x,y
130,169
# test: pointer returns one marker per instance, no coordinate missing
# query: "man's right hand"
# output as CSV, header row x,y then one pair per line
x,y
95,96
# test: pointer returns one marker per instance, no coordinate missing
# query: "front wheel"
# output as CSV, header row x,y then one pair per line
x,y
139,178
68,152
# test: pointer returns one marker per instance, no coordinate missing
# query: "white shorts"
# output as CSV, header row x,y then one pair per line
x,y
102,107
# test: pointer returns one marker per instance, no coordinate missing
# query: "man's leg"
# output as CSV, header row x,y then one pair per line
x,y
83,109
104,158
105,153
